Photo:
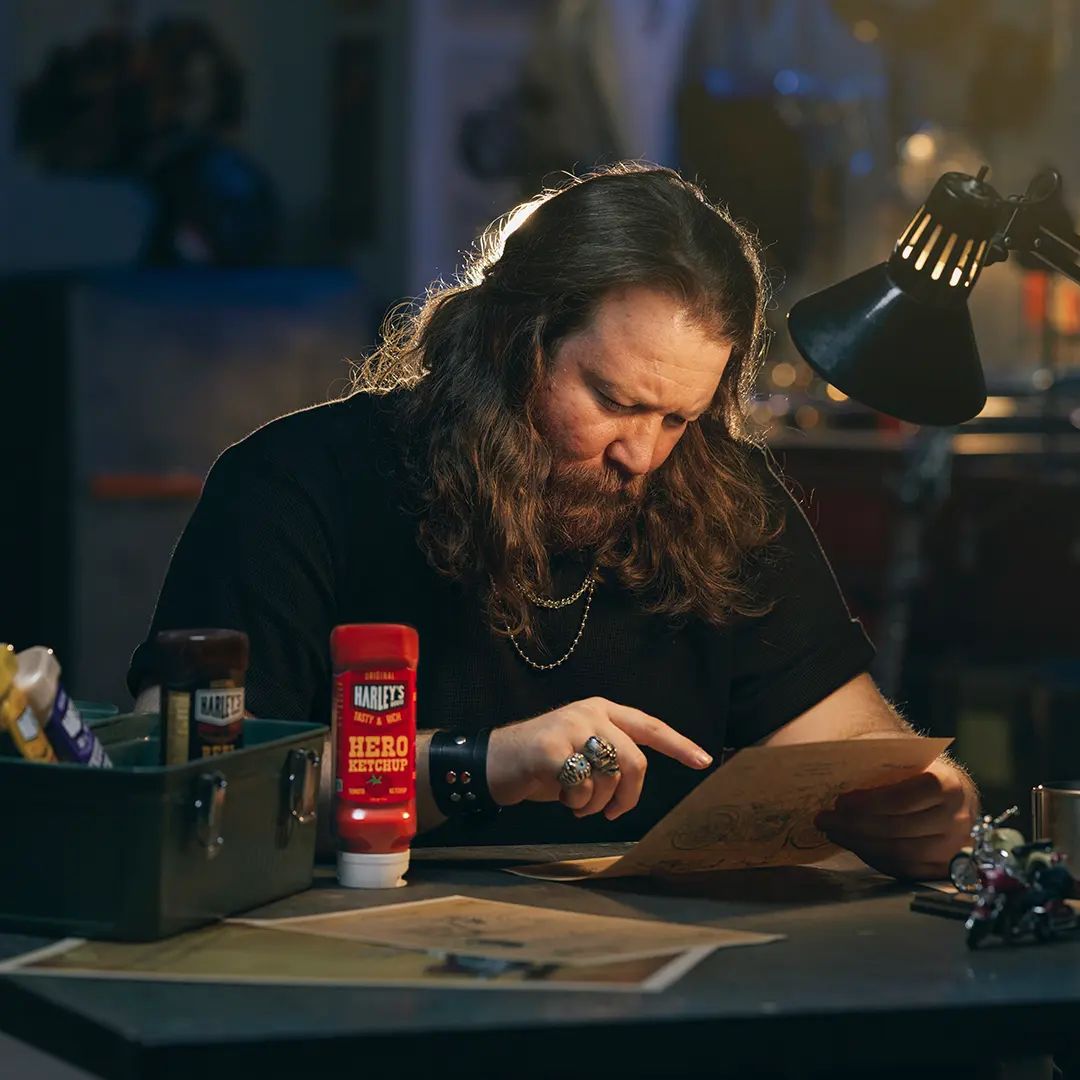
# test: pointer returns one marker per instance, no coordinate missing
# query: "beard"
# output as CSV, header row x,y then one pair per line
x,y
587,508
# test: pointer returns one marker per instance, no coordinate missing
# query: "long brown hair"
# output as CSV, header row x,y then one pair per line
x,y
468,362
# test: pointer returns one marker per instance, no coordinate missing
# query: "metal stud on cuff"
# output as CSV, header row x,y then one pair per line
x,y
457,771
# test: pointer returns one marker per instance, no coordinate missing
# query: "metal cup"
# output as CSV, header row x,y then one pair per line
x,y
1055,811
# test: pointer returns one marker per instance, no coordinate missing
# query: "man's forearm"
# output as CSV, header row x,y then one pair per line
x,y
854,711
428,815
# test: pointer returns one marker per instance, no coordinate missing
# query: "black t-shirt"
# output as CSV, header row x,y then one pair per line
x,y
299,529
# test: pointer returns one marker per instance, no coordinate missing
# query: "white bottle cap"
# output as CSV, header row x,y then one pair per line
x,y
356,871
38,678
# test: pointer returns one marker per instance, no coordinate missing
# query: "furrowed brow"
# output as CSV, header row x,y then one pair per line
x,y
617,392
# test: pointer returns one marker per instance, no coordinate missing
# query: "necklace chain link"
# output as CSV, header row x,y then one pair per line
x,y
554,605
588,586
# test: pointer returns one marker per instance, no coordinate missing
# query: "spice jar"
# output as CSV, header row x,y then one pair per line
x,y
202,675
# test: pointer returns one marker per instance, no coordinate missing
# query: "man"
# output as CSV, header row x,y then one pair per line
x,y
547,470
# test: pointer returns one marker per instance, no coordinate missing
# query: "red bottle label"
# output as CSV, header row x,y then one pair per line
x,y
375,712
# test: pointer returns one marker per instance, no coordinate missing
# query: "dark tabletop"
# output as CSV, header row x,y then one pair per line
x,y
859,979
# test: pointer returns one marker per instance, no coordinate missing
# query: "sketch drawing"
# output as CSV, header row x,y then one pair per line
x,y
759,809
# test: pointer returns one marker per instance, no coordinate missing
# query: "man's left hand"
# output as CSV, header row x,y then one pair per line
x,y
908,830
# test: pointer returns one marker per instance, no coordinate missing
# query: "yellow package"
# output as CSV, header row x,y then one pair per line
x,y
16,716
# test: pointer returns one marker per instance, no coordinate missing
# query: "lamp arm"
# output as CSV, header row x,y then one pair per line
x,y
1060,252
1040,228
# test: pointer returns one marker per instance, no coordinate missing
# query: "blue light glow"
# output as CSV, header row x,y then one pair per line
x,y
786,81
719,82
861,163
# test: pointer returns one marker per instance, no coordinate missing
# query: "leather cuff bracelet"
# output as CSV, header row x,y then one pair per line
x,y
457,768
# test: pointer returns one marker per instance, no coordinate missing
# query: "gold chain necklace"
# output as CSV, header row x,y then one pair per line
x,y
587,588
554,605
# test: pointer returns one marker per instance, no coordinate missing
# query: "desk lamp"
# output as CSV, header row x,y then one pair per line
x,y
898,337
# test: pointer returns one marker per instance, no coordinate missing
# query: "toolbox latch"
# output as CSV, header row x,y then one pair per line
x,y
301,782
209,810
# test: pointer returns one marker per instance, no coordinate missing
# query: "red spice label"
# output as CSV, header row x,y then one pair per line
x,y
375,713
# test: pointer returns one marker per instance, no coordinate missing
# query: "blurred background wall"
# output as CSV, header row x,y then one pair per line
x,y
206,208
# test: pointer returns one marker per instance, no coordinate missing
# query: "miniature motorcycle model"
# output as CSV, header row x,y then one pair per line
x,y
1051,918
991,847
1023,894
1050,882
997,908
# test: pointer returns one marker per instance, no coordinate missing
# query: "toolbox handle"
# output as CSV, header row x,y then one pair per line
x,y
301,782
210,791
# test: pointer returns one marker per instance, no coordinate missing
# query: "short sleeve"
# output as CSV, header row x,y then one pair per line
x,y
255,556
806,645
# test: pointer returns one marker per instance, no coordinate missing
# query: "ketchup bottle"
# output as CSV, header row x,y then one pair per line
x,y
375,760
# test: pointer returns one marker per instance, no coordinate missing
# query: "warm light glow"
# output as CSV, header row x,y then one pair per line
x,y
998,406
835,393
915,236
920,262
761,413
865,31
958,273
806,417
976,263
518,216
940,268
920,147
783,375
911,224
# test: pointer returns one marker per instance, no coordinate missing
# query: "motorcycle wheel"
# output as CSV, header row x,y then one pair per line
x,y
976,933
1044,930
1009,926
963,872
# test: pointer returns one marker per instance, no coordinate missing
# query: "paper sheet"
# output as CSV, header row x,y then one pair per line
x,y
758,809
497,930
246,955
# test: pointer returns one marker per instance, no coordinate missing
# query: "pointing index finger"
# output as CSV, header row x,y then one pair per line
x,y
646,730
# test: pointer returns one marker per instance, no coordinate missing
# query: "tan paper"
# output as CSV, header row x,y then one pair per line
x,y
469,926
246,955
757,810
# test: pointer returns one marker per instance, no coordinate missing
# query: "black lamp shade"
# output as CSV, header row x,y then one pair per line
x,y
898,337
880,346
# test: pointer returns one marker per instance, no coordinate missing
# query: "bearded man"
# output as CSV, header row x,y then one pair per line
x,y
546,468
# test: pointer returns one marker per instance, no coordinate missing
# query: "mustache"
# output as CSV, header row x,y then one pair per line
x,y
605,483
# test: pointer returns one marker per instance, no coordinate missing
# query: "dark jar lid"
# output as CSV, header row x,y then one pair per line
x,y
185,656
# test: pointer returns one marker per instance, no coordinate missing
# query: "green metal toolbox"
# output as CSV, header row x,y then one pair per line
x,y
142,851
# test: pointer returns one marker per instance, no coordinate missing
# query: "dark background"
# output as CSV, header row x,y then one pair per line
x,y
206,208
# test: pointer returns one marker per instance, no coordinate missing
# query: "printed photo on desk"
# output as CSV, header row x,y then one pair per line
x,y
247,955
469,925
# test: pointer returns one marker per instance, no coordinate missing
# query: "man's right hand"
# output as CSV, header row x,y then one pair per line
x,y
524,759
